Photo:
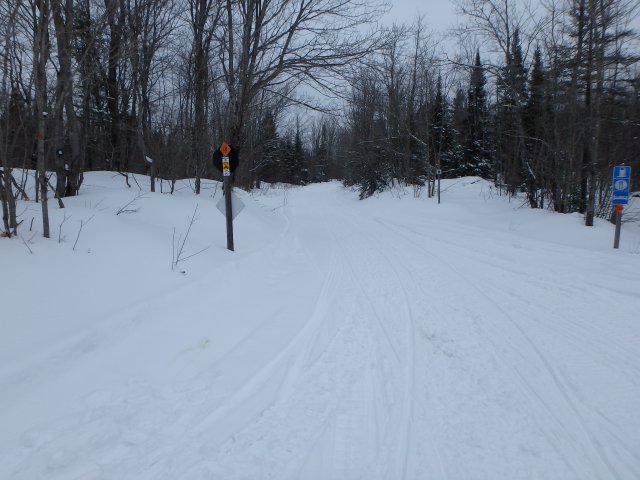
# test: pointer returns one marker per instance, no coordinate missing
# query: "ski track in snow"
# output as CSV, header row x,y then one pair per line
x,y
591,444
420,353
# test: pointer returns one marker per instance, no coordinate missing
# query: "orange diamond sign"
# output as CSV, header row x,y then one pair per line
x,y
225,149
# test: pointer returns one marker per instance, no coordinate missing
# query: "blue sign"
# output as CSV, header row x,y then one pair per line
x,y
620,185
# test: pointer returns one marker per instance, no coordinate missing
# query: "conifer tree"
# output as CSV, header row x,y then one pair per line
x,y
440,128
536,118
269,148
299,157
475,158
453,158
512,97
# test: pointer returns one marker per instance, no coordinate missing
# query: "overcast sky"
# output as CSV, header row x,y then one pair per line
x,y
439,14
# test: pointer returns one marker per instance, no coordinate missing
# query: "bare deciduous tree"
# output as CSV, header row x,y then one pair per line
x,y
9,13
265,45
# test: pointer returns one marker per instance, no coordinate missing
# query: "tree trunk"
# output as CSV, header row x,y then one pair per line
x,y
202,36
41,55
6,191
115,18
5,205
71,163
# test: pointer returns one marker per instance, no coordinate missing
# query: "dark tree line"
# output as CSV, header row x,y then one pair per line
x,y
548,110
154,86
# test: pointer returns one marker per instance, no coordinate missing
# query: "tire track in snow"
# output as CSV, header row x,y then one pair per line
x,y
415,433
286,431
352,394
442,279
408,419
605,467
378,379
394,441
216,432
306,402
207,422
396,467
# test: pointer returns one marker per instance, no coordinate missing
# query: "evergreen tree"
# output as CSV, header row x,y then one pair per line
x,y
370,166
536,118
269,149
475,157
293,158
321,156
453,158
512,97
440,134
535,109
300,171
286,166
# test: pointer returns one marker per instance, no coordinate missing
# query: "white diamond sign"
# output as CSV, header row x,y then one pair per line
x,y
236,206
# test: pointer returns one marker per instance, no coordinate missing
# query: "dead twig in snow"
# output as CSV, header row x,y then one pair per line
x,y
25,244
82,224
55,192
60,228
124,208
178,254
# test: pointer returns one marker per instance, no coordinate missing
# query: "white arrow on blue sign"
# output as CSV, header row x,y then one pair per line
x,y
621,184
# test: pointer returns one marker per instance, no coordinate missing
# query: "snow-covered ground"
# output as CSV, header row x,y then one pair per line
x,y
391,338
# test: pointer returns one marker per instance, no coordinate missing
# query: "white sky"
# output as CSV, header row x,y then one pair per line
x,y
439,14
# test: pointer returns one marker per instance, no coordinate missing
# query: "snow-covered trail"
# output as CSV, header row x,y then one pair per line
x,y
356,342
424,359
346,408
431,359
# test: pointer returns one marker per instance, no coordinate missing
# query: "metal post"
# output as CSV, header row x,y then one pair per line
x,y
225,159
439,173
228,209
616,238
620,196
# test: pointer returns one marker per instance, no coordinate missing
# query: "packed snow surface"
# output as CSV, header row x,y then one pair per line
x,y
391,338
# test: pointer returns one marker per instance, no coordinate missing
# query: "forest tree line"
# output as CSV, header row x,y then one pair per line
x,y
541,103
